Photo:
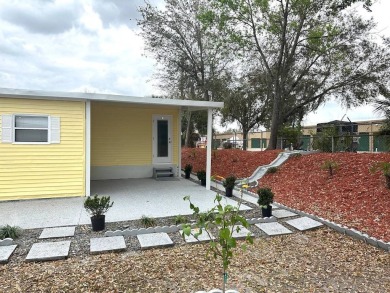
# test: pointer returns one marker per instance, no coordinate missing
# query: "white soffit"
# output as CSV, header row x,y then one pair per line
x,y
73,96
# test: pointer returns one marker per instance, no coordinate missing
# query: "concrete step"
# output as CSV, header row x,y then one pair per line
x,y
163,172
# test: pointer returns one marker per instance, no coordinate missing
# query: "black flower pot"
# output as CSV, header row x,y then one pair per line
x,y
187,175
98,223
229,192
203,182
266,212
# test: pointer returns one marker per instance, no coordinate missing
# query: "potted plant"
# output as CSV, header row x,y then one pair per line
x,y
187,170
228,183
97,207
202,177
266,197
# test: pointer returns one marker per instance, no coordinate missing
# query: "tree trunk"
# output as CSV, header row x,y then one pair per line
x,y
244,139
273,141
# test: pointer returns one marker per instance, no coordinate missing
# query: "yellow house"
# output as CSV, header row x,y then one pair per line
x,y
53,144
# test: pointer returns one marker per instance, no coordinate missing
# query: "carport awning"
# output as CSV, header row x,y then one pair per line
x,y
34,94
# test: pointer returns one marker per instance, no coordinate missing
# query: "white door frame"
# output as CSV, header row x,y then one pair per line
x,y
156,159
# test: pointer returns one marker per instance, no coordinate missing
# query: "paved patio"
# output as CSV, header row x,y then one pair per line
x,y
132,199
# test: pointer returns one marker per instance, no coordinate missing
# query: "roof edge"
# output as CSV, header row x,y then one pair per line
x,y
76,96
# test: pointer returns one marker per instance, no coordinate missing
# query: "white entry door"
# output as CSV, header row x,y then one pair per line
x,y
162,139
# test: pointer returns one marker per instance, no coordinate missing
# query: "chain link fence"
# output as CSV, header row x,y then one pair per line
x,y
362,142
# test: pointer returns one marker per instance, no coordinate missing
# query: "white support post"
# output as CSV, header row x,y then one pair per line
x,y
179,142
88,148
209,145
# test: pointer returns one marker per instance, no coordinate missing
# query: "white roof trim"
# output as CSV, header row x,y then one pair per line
x,y
34,94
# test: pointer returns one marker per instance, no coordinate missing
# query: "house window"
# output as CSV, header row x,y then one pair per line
x,y
31,128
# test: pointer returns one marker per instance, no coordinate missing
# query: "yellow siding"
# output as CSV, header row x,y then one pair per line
x,y
42,171
121,134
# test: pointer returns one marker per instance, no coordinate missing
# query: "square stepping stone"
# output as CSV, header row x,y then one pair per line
x,y
105,244
273,229
57,232
153,240
304,223
202,237
6,252
242,233
48,251
283,214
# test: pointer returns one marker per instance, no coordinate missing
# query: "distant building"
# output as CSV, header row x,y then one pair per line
x,y
364,131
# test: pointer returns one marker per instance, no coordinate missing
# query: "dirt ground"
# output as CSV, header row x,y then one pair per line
x,y
316,261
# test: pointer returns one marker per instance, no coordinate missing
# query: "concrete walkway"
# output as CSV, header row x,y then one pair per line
x,y
132,199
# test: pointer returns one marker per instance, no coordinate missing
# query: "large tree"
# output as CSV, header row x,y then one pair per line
x,y
309,50
192,62
246,103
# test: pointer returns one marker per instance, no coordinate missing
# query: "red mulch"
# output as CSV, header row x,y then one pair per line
x,y
227,162
353,196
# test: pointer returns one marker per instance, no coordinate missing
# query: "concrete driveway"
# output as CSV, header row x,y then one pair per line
x,y
132,198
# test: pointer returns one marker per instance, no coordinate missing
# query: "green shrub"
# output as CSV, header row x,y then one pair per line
x,y
8,231
227,145
266,196
201,175
188,168
323,140
179,219
148,221
229,182
330,165
97,206
271,170
384,167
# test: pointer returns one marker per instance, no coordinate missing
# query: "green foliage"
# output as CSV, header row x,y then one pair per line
x,y
225,222
229,182
290,136
227,145
207,216
308,51
384,167
148,221
201,175
8,231
330,165
271,170
188,168
323,140
97,206
266,196
179,219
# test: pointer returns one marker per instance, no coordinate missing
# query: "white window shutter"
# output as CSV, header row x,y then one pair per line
x,y
6,128
55,129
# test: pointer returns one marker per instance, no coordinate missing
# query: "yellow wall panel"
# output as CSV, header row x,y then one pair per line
x,y
40,171
121,134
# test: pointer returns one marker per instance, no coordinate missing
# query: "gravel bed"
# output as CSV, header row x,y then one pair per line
x,y
315,261
83,233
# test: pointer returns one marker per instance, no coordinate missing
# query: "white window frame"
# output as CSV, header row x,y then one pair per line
x,y
14,128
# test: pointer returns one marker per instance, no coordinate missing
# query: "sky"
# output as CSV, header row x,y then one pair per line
x,y
93,46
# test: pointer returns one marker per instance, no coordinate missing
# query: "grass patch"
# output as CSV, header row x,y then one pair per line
x,y
148,221
8,231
